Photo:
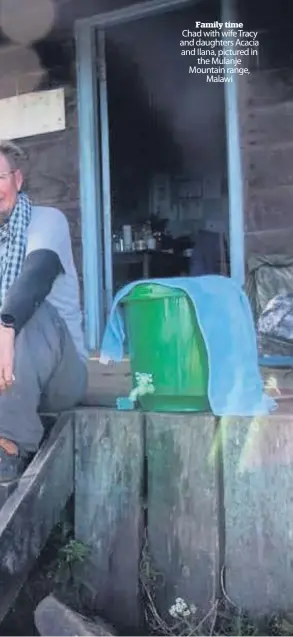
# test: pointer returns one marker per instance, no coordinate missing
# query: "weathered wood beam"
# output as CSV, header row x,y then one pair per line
x,y
7,488
33,509
258,476
108,510
183,509
135,11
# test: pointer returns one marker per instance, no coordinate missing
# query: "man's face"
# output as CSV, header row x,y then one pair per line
x,y
10,185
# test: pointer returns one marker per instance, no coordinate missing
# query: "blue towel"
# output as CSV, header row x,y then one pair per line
x,y
223,311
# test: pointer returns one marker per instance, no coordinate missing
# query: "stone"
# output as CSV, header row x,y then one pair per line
x,y
55,618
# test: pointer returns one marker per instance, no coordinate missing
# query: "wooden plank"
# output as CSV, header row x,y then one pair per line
x,y
270,209
29,515
268,127
276,241
270,167
108,510
107,383
134,11
7,488
258,478
183,513
269,87
32,114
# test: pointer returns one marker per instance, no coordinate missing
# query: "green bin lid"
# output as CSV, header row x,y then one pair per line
x,y
148,291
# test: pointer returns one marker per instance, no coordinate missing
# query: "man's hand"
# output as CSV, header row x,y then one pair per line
x,y
7,339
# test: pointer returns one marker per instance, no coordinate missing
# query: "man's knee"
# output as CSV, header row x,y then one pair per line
x,y
39,343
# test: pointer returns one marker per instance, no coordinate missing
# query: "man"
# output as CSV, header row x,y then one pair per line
x,y
42,356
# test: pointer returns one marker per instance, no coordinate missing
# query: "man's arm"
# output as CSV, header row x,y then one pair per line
x,y
40,269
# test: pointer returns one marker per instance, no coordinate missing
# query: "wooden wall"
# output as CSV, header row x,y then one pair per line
x,y
174,500
147,503
266,121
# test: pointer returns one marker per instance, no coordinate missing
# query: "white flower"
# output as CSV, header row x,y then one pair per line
x,y
172,612
193,609
179,600
180,606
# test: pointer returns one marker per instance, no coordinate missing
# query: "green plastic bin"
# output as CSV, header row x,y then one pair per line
x,y
165,341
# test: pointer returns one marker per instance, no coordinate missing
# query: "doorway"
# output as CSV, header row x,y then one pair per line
x,y
161,149
167,151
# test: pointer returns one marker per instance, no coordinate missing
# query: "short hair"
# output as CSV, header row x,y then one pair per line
x,y
15,156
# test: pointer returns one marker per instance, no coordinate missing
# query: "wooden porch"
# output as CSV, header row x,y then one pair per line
x,y
108,382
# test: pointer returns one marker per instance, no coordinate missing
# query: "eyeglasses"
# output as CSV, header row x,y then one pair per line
x,y
4,176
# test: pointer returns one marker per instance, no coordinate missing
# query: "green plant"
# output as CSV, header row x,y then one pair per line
x,y
68,557
73,552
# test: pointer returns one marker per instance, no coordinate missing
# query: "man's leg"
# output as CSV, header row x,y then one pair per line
x,y
47,371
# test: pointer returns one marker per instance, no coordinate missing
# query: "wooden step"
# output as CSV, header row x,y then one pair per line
x,y
33,509
6,489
